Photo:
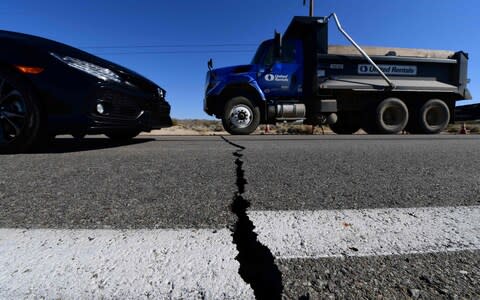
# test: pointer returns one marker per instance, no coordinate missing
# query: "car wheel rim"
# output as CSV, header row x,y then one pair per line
x,y
241,116
12,112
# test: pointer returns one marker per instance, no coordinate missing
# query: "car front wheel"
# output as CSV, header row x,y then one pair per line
x,y
20,115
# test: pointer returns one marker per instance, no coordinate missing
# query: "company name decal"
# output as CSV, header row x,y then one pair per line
x,y
388,69
281,78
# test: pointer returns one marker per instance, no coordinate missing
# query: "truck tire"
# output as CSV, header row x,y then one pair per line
x,y
240,116
433,117
20,115
346,124
391,116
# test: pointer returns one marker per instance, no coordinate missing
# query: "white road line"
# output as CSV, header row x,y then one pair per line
x,y
197,264
116,264
367,232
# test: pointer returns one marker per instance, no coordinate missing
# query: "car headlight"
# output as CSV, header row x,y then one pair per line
x,y
161,93
89,68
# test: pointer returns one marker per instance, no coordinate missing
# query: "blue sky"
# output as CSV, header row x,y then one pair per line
x,y
187,33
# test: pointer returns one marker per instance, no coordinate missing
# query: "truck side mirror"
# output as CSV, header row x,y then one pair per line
x,y
210,64
277,45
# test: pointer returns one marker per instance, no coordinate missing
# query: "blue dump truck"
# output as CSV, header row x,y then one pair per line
x,y
299,77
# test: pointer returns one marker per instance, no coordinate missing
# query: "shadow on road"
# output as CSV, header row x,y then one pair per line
x,y
69,145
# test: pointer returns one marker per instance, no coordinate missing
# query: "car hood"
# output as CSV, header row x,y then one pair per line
x,y
48,46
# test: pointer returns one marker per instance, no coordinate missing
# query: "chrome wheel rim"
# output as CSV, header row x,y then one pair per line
x,y
241,116
12,112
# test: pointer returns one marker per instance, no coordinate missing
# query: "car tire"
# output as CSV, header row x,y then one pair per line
x,y
240,116
124,135
20,114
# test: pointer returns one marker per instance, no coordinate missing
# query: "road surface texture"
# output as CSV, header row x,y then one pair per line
x,y
299,217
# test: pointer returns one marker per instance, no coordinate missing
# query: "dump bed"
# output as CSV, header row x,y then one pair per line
x,y
345,68
383,51
409,69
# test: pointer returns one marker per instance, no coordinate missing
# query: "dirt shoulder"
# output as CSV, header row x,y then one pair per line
x,y
212,127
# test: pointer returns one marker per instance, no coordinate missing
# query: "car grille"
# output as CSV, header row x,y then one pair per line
x,y
121,105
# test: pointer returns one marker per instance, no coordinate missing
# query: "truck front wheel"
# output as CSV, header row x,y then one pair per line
x,y
240,116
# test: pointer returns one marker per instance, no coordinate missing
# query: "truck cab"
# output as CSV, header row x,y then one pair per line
x,y
299,77
282,76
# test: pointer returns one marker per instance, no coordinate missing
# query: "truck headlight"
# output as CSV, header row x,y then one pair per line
x,y
89,68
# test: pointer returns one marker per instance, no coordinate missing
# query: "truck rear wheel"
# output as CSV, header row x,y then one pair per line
x,y
346,124
391,116
433,117
240,116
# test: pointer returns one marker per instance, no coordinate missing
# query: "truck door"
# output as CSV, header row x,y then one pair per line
x,y
282,78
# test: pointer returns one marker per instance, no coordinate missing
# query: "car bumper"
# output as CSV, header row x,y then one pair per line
x,y
127,109
71,104
146,121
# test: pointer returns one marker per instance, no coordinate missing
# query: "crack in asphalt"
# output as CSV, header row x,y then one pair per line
x,y
257,264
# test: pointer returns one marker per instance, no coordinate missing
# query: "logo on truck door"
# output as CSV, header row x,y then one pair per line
x,y
388,70
269,77
281,78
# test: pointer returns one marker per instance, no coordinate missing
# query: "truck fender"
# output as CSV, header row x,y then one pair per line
x,y
237,81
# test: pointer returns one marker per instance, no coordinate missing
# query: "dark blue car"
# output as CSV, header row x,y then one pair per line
x,y
48,88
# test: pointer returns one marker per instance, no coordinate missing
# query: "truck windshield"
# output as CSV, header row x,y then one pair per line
x,y
264,55
265,46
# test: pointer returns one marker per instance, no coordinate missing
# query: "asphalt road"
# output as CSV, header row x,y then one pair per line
x,y
190,182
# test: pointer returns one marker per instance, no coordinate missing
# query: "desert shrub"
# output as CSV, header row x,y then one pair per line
x,y
299,129
218,127
453,128
474,129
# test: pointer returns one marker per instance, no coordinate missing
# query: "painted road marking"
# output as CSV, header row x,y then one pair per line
x,y
119,264
367,232
197,264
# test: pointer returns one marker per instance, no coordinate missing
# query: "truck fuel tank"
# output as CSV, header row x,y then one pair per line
x,y
287,111
297,111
